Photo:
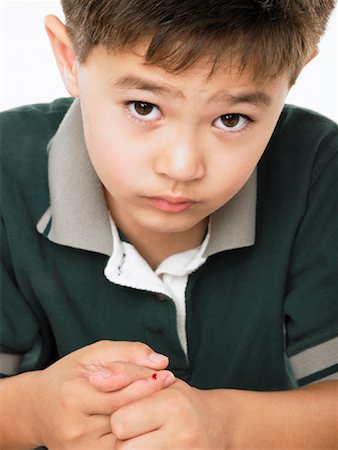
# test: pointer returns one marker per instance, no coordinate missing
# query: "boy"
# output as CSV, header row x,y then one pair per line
x,y
181,205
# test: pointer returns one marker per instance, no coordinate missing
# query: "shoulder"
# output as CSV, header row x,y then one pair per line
x,y
25,133
41,111
30,124
298,167
303,142
304,126
298,126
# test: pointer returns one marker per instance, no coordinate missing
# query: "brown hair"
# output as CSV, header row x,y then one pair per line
x,y
273,36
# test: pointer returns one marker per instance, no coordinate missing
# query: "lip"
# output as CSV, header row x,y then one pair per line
x,y
171,204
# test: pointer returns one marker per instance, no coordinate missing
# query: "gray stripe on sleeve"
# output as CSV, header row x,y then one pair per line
x,y
9,364
315,359
332,377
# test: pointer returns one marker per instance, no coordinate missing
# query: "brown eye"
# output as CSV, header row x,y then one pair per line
x,y
143,109
230,120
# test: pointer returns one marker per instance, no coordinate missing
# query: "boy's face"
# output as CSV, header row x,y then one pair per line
x,y
172,148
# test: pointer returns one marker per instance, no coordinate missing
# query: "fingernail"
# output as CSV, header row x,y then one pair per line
x,y
157,357
169,380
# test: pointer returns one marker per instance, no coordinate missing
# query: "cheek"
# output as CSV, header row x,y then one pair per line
x,y
118,163
108,148
235,163
233,167
228,183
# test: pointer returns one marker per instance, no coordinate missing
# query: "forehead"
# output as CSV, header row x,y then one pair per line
x,y
127,70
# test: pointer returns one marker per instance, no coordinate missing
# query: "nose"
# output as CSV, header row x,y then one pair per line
x,y
181,158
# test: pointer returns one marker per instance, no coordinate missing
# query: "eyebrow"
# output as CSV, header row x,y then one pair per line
x,y
256,98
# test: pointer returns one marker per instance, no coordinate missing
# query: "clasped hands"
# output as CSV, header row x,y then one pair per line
x,y
118,395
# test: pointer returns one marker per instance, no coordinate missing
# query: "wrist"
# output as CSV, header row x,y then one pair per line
x,y
223,411
30,396
18,418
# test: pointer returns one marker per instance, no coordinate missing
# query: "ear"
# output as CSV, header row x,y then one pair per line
x,y
311,56
63,52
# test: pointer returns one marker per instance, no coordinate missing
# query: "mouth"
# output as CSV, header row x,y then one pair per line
x,y
171,204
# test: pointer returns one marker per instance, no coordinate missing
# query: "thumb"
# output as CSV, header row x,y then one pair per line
x,y
132,352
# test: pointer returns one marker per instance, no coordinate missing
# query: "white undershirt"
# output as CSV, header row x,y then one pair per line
x,y
126,267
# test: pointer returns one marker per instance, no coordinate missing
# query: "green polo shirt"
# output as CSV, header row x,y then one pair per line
x,y
262,312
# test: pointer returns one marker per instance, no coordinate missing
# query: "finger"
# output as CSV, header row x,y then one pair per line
x,y
97,425
106,442
82,397
118,376
152,440
96,402
102,353
143,388
140,417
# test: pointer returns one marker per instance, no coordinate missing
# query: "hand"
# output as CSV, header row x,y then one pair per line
x,y
177,417
71,413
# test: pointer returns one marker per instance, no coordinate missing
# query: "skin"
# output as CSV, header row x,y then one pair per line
x,y
163,176
179,146
173,147
69,404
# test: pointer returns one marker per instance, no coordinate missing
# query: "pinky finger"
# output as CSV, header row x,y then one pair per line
x,y
145,441
107,442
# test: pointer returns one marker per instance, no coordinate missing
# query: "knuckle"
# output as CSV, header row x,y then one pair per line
x,y
104,343
99,345
90,349
72,433
119,426
140,347
189,437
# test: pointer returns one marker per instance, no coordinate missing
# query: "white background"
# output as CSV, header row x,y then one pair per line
x,y
29,74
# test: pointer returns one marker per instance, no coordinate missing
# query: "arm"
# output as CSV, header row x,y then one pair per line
x,y
181,416
16,431
302,418
58,407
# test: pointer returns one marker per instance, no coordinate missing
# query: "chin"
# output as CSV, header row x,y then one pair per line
x,y
170,225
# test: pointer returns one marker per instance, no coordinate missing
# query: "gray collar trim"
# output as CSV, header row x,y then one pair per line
x,y
234,225
78,215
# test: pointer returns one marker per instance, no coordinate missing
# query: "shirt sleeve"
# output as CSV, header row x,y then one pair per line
x,y
19,328
311,306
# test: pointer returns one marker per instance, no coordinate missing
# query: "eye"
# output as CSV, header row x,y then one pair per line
x,y
232,122
144,111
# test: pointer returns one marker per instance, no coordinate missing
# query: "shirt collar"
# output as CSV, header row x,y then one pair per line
x,y
78,215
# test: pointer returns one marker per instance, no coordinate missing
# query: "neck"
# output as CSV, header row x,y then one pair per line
x,y
156,247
